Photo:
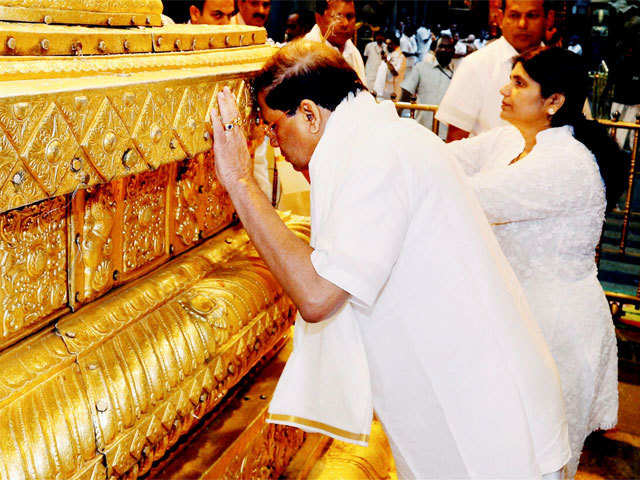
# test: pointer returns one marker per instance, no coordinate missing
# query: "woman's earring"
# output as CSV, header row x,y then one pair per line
x,y
551,111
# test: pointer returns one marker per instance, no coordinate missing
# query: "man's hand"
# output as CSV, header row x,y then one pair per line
x,y
232,159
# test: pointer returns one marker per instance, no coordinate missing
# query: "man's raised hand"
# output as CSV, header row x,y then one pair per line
x,y
232,159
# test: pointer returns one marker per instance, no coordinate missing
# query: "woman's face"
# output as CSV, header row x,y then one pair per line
x,y
522,103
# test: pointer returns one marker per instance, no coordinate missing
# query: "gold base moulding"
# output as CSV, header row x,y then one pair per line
x,y
115,385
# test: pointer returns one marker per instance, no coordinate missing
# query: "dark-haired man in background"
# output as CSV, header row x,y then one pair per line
x,y
336,25
299,24
252,12
464,385
211,12
472,102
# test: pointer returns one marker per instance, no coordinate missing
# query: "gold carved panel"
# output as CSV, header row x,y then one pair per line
x,y
94,256
153,133
33,265
144,220
54,156
17,186
109,145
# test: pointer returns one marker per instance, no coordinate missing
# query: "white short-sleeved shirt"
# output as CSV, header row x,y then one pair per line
x,y
350,52
374,53
473,99
462,379
408,45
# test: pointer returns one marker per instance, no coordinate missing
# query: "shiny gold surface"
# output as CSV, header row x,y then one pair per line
x,y
33,266
236,443
85,12
121,380
55,144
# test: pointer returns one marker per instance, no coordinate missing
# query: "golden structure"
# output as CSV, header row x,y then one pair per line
x,y
131,302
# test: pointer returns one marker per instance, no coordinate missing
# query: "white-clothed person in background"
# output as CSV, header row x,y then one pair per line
x,y
472,102
391,72
406,302
542,189
335,26
374,52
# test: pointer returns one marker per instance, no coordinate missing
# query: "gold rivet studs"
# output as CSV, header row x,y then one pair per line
x,y
109,21
241,39
48,19
44,44
11,43
147,20
177,44
102,46
159,41
227,40
126,45
76,47
212,42
18,178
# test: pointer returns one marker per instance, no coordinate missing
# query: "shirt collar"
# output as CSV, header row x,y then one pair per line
x,y
315,34
506,50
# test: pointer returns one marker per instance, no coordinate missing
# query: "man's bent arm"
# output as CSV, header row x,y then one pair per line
x,y
287,256
455,133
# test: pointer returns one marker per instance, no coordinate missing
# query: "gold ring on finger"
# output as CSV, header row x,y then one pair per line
x,y
229,125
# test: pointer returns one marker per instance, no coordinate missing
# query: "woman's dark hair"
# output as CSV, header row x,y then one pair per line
x,y
561,71
306,70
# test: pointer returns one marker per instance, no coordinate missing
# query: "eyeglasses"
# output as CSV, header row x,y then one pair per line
x,y
271,128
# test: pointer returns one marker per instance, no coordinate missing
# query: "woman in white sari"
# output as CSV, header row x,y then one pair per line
x,y
541,181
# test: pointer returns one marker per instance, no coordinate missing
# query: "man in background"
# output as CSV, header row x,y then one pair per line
x,y
391,71
374,52
211,12
252,12
336,25
299,24
430,79
472,102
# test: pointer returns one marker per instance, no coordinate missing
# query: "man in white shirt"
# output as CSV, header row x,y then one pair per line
x,y
336,25
423,39
409,47
373,52
429,79
252,12
460,376
472,102
391,72
211,12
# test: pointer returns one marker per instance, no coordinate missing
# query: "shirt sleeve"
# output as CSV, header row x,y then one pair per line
x,y
536,188
462,102
410,83
473,153
359,240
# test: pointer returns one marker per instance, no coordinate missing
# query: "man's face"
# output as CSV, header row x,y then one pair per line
x,y
254,12
338,23
290,133
214,12
294,29
524,23
444,51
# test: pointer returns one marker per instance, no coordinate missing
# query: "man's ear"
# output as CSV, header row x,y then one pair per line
x,y
311,115
194,13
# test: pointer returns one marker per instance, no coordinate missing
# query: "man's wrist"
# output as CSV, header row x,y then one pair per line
x,y
242,184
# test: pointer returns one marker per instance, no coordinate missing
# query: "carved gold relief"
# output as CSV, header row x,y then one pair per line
x,y
33,263
190,123
109,145
55,158
153,132
144,218
268,455
20,118
188,201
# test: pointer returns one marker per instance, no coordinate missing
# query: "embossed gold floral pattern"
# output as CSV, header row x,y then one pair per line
x,y
33,262
144,218
188,201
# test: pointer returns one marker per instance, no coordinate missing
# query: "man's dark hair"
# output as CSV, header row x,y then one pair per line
x,y
306,70
199,4
306,19
546,4
322,5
